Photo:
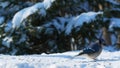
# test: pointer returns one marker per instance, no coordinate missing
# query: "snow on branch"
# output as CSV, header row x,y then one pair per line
x,y
48,3
2,19
115,22
113,2
20,16
7,41
80,19
59,23
23,14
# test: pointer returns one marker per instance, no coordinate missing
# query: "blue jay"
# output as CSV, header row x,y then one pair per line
x,y
93,50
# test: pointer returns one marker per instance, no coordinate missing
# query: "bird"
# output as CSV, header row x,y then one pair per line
x,y
93,50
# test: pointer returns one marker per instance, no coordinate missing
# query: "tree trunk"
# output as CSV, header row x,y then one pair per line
x,y
106,36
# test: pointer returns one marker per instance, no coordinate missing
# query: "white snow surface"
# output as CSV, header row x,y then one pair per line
x,y
107,59
80,19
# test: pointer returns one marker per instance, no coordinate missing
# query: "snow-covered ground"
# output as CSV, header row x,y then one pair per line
x,y
107,59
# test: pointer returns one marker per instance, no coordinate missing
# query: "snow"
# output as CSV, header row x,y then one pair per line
x,y
115,22
7,41
67,24
47,3
85,17
22,39
39,8
113,2
80,19
2,19
59,23
20,16
114,39
107,59
4,4
8,26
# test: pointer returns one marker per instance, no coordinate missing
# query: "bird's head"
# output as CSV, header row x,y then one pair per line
x,y
102,41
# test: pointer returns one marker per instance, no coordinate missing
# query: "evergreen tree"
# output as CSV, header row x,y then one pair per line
x,y
38,34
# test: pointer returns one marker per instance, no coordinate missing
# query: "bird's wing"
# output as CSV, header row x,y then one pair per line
x,y
88,51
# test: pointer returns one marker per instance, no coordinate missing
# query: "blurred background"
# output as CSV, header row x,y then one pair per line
x,y
48,34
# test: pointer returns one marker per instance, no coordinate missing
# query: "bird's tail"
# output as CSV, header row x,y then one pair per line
x,y
80,53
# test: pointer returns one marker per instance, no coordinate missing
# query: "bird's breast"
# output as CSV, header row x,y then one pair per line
x,y
94,55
